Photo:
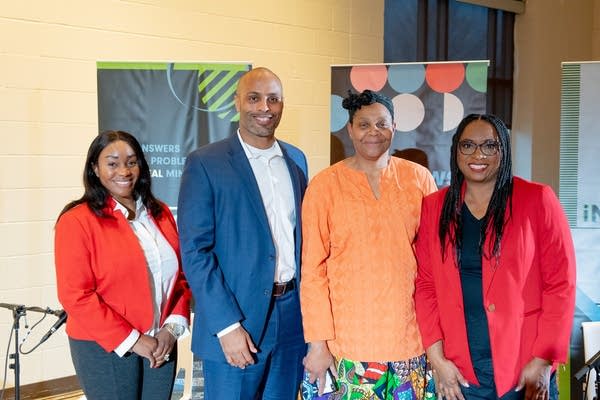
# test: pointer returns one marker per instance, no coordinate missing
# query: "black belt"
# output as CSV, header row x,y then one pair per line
x,y
279,289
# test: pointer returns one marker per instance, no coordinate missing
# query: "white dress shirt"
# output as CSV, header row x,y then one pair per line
x,y
162,265
275,185
277,193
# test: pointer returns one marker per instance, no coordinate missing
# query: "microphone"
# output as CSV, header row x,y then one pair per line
x,y
58,313
593,362
62,318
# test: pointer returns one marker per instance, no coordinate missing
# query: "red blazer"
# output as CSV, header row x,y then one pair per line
x,y
102,277
528,293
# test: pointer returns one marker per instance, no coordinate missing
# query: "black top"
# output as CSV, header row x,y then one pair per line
x,y
472,288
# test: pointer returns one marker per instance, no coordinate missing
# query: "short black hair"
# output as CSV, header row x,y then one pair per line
x,y
355,101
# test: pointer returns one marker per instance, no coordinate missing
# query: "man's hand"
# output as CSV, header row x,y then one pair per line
x,y
535,378
316,363
238,348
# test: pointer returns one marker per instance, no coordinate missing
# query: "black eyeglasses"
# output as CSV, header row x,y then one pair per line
x,y
487,148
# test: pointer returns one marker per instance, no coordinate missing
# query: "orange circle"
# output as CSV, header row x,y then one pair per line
x,y
445,78
371,77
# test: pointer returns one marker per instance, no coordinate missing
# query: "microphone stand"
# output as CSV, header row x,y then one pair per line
x,y
19,311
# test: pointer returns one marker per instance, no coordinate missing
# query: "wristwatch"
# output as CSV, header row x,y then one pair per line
x,y
174,329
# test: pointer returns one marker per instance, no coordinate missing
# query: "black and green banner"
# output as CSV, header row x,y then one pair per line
x,y
171,108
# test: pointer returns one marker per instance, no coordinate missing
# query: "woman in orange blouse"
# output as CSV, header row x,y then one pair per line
x,y
360,217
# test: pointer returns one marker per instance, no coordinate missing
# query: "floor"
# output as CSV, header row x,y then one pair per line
x,y
77,395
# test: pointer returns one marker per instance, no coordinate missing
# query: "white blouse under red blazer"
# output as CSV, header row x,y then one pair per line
x,y
528,293
102,279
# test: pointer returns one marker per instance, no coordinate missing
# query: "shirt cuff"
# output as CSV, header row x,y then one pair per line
x,y
230,328
128,343
179,320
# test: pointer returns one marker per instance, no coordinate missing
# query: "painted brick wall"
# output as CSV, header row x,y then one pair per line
x,y
48,109
548,33
596,32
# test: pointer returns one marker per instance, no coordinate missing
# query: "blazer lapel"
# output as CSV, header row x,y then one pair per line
x,y
239,162
298,193
295,177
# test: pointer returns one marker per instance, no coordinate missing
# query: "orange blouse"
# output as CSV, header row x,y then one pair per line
x,y
358,262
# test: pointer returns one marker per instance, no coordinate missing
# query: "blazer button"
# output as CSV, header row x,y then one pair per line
x,y
492,307
267,292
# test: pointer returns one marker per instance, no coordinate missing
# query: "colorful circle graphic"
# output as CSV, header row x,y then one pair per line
x,y
453,112
406,78
339,116
476,76
371,77
444,78
409,112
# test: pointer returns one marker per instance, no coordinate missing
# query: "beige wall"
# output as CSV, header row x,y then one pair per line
x,y
596,31
548,33
48,104
48,51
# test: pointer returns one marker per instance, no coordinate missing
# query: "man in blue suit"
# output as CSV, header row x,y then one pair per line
x,y
239,224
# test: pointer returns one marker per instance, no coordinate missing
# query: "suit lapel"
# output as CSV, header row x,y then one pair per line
x,y
239,162
295,177
298,192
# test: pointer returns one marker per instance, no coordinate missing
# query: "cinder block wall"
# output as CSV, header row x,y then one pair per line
x,y
596,32
548,33
48,108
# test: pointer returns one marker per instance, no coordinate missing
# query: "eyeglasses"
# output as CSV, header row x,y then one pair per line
x,y
487,148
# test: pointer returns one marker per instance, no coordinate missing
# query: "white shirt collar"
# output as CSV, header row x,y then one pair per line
x,y
139,208
255,152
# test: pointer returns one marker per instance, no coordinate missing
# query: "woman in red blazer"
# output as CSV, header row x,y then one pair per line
x,y
495,287
119,277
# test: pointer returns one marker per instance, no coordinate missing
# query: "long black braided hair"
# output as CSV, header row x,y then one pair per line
x,y
451,218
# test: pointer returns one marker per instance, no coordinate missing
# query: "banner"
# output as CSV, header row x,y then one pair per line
x,y
430,99
579,194
171,108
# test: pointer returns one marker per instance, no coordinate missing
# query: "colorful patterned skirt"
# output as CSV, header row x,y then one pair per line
x,y
399,380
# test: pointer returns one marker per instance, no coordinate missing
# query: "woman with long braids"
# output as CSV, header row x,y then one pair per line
x,y
495,287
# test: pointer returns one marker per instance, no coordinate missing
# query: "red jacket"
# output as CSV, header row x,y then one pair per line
x,y
528,293
102,278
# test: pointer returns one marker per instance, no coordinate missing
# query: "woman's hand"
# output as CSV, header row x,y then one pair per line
x,y
165,342
145,347
317,361
446,375
535,378
447,379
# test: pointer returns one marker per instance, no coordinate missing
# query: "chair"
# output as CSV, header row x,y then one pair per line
x,y
591,345
185,360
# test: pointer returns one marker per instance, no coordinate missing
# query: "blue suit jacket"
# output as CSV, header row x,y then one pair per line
x,y
227,249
